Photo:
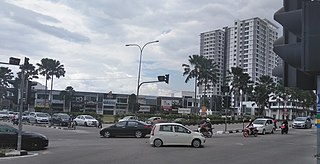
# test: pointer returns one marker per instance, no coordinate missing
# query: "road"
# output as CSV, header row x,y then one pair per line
x,y
85,146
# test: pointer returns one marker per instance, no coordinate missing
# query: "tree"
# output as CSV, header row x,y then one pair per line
x,y
203,70
240,83
30,73
5,76
50,68
67,96
43,69
264,87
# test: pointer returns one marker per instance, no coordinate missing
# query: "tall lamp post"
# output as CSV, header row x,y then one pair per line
x,y
141,50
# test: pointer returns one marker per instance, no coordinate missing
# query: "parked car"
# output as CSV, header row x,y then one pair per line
x,y
128,118
302,122
264,125
4,114
175,134
38,118
61,119
127,128
154,120
30,140
85,120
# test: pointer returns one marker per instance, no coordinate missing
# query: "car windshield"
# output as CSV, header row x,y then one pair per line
x,y
300,119
88,117
261,122
42,115
127,117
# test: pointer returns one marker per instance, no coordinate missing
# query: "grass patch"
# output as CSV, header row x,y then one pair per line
x,y
108,119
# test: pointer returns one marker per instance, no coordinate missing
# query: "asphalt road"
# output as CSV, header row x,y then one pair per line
x,y
85,146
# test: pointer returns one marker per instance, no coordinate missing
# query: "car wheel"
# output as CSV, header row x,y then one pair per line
x,y
157,143
263,131
85,124
196,143
138,134
107,134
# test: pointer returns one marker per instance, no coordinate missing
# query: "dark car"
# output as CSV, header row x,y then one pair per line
x,y
30,140
127,128
61,119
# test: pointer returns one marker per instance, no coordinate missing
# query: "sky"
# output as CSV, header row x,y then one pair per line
x,y
89,36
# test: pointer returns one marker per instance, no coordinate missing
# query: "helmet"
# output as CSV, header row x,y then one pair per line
x,y
208,119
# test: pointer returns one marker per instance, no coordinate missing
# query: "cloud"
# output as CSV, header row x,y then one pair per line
x,y
89,38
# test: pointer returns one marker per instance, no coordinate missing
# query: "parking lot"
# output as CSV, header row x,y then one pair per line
x,y
84,145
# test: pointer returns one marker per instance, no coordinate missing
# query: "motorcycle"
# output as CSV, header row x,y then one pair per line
x,y
205,131
284,129
254,132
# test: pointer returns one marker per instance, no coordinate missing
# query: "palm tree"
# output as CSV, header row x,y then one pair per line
x,y
30,72
50,68
264,87
5,76
57,70
43,69
240,83
204,71
67,95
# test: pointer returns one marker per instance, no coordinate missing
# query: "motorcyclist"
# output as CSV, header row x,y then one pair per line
x,y
206,126
285,123
249,126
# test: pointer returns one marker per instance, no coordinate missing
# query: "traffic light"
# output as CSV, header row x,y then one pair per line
x,y
298,46
14,61
166,79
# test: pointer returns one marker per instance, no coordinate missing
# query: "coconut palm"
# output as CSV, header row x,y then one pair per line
x,y
57,70
30,73
240,83
67,95
203,70
43,69
264,87
50,68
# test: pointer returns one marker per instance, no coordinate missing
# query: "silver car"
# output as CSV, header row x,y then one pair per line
x,y
302,122
264,125
38,118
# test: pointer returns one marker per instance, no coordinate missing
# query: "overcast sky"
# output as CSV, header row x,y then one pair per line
x,y
89,36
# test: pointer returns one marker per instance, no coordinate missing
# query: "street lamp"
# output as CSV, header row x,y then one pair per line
x,y
141,50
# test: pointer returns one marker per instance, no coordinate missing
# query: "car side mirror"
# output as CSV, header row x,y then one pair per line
x,y
189,132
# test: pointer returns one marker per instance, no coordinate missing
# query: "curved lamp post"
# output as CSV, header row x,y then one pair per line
x,y
141,50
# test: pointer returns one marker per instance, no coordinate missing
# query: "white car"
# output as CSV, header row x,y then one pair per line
x,y
4,114
129,118
302,122
85,120
175,134
38,117
264,125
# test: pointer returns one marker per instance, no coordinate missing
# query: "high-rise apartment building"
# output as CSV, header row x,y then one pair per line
x,y
248,44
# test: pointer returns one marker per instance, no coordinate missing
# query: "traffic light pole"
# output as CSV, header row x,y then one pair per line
x,y
318,120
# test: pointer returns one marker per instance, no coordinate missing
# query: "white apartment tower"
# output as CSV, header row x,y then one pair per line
x,y
248,44
212,46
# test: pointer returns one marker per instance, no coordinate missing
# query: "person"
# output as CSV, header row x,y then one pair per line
x,y
205,125
99,125
249,126
285,128
275,123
